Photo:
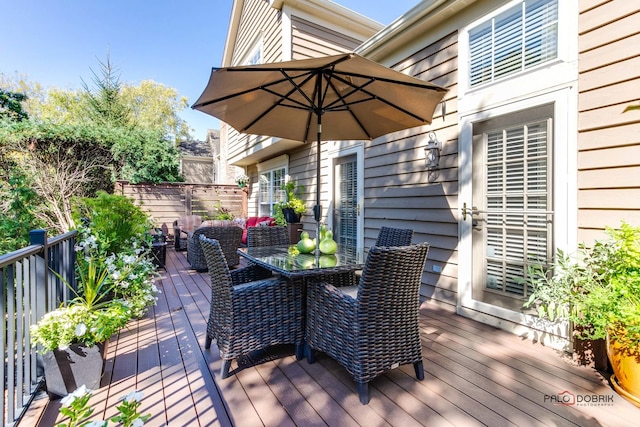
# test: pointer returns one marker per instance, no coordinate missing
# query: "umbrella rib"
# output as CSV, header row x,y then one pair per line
x,y
379,98
421,84
286,97
253,89
346,106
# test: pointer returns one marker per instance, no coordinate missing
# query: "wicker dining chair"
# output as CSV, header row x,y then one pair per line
x,y
371,327
267,236
248,310
230,238
389,236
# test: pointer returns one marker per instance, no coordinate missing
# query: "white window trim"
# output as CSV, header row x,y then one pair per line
x,y
275,163
548,76
256,47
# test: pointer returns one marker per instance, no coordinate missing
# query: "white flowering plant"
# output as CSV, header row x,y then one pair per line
x,y
242,180
110,291
132,274
88,319
75,406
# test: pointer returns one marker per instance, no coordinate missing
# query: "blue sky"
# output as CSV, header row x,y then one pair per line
x,y
171,42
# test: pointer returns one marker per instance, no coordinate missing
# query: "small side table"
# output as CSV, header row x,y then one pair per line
x,y
294,230
159,250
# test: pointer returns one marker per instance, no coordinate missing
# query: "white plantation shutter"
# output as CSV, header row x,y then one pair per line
x,y
517,203
521,37
345,212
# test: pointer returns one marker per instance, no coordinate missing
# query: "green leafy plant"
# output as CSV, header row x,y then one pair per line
x,y
110,291
115,220
292,200
598,290
88,319
76,407
221,212
17,216
554,286
611,304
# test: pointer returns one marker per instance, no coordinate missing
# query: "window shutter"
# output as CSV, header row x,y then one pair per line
x,y
521,37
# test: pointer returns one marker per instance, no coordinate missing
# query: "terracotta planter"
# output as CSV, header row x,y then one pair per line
x,y
66,370
626,371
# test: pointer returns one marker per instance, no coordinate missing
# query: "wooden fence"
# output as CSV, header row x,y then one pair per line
x,y
168,201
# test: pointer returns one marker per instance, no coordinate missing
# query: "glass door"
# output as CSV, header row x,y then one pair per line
x,y
512,208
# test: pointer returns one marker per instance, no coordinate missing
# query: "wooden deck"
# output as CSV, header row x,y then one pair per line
x,y
474,375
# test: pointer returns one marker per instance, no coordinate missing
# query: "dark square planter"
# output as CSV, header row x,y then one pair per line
x,y
66,370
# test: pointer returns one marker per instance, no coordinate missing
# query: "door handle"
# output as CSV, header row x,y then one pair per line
x,y
466,211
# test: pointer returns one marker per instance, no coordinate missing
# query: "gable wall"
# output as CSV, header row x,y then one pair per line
x,y
258,20
311,40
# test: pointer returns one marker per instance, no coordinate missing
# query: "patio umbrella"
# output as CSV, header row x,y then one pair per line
x,y
339,97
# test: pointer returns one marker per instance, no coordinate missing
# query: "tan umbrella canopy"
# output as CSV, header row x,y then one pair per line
x,y
329,98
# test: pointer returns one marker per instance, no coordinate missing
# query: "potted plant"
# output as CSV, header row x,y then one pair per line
x,y
599,293
242,180
114,272
72,338
289,210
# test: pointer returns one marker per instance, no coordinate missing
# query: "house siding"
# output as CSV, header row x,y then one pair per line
x,y
258,19
310,40
399,192
608,139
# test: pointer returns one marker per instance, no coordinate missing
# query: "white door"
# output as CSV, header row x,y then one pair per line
x,y
511,212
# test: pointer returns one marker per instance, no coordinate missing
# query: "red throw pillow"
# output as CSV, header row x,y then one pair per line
x,y
251,221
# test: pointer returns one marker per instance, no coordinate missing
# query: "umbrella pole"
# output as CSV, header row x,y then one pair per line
x,y
317,209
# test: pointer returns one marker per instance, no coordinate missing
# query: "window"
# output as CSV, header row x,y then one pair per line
x,y
270,192
255,54
515,40
273,174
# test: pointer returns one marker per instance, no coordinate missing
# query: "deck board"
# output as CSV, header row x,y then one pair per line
x,y
474,375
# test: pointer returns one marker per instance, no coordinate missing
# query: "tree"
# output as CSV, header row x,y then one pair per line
x,y
146,157
11,105
74,143
106,106
60,162
156,106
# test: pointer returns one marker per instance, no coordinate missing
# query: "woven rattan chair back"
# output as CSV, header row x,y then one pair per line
x,y
221,284
389,236
249,309
379,330
267,236
390,280
229,238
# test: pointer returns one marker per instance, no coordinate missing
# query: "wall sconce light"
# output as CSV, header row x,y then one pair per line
x,y
432,152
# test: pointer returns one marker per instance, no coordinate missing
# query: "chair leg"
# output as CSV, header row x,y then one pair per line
x,y
419,368
207,343
311,355
363,392
300,349
224,371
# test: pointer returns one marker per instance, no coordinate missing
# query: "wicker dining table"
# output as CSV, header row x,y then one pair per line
x,y
338,269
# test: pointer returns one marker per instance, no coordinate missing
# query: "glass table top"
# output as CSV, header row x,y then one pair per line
x,y
287,260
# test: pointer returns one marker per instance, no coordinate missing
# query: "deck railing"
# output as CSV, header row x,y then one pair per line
x,y
29,288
